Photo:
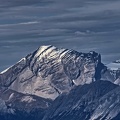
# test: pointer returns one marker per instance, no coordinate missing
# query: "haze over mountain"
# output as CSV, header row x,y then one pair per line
x,y
60,84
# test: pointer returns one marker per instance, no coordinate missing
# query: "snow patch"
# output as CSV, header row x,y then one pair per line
x,y
114,66
11,96
4,71
63,53
28,99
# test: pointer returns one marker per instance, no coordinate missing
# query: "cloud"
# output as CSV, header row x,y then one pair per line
x,y
15,3
81,25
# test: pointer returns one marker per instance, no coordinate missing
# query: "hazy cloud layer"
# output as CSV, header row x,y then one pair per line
x,y
82,25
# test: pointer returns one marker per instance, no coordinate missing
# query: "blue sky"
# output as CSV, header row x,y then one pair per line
x,y
82,25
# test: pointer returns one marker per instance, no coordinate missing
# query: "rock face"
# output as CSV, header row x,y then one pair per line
x,y
49,72
112,73
17,106
93,101
60,84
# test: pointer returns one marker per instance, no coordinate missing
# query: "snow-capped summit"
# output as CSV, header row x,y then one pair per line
x,y
112,72
114,65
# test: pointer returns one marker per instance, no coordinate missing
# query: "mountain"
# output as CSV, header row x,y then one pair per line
x,y
112,73
50,71
17,106
95,101
59,84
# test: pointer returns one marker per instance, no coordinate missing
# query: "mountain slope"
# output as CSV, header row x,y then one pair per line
x,y
87,102
17,106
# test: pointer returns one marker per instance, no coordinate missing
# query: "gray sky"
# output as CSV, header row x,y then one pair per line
x,y
82,25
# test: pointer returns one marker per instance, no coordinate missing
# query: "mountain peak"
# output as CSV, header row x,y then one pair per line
x,y
46,50
50,71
